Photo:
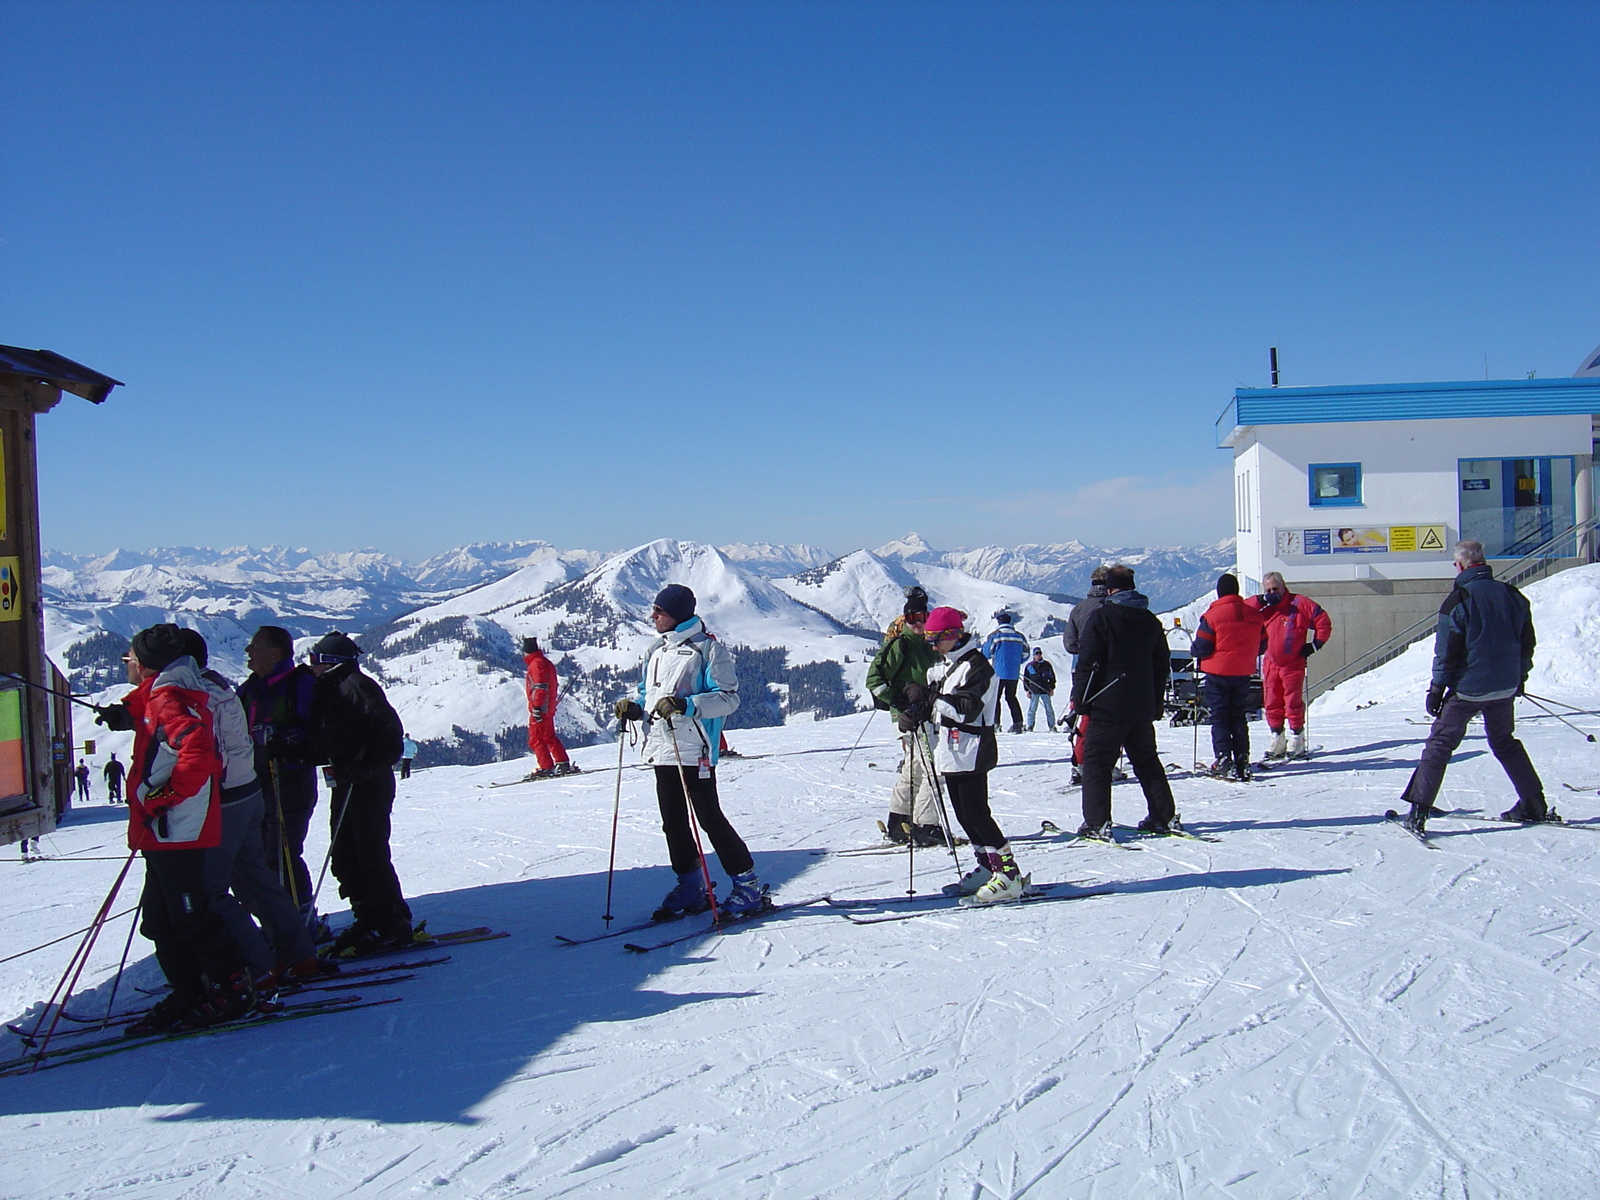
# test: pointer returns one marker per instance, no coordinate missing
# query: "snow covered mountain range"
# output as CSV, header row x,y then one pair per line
x,y
443,634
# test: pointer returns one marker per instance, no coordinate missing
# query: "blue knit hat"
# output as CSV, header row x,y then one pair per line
x,y
676,601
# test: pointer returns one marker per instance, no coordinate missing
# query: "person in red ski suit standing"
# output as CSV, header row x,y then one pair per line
x,y
543,741
174,816
1296,628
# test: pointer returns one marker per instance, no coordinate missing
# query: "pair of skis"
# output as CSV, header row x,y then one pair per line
x,y
1552,818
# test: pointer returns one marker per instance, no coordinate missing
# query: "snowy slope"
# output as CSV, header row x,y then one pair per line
x,y
1314,1005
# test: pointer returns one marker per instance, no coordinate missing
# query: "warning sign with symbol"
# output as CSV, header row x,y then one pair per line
x,y
10,589
1430,537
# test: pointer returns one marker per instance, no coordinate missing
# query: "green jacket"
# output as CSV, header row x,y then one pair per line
x,y
904,659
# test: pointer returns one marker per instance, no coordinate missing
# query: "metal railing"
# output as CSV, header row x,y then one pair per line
x,y
1571,543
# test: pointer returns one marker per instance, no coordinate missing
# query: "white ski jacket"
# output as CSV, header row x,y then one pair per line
x,y
966,695
692,665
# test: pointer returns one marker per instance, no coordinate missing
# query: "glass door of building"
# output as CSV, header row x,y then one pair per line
x,y
1515,505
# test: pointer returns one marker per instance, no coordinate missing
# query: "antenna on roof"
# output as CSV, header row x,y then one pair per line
x,y
1273,354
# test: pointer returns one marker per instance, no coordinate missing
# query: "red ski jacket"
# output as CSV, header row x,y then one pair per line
x,y
1231,637
1288,622
541,686
175,776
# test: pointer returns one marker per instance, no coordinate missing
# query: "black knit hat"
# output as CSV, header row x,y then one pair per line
x,y
676,601
334,647
530,645
158,646
1227,585
195,646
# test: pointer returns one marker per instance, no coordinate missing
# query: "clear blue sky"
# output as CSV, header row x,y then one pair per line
x,y
411,275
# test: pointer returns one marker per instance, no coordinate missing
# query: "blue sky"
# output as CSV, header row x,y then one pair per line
x,y
412,275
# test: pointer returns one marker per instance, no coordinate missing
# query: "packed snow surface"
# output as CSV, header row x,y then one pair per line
x,y
1312,1005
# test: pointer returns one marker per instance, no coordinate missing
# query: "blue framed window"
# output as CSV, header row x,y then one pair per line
x,y
1334,484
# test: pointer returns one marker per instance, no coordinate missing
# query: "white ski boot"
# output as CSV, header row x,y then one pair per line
x,y
1297,744
1279,748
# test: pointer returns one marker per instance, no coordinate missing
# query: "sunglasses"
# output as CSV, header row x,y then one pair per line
x,y
331,659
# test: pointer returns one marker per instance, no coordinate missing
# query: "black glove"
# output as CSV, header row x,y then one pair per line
x,y
1435,701
628,710
113,716
914,715
1309,649
671,706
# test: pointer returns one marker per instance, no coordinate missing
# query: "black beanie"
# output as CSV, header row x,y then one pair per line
x,y
1227,585
336,645
156,647
195,646
676,601
530,645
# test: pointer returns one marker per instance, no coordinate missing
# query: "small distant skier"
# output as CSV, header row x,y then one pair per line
x,y
1006,649
1039,681
1482,656
965,693
82,774
358,733
1120,679
1296,628
898,681
1226,646
408,751
114,771
541,686
687,687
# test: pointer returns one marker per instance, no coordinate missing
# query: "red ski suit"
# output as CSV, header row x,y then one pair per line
x,y
541,685
1283,674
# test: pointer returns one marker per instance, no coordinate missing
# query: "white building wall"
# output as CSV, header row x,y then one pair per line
x,y
1409,477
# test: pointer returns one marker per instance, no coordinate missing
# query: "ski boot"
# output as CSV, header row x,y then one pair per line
x,y
747,896
973,879
162,1015
1077,777
1297,744
1417,819
688,897
1279,749
898,829
1006,882
1220,769
226,1001
1526,813
925,837
568,768
1015,728
1095,833
1152,825
541,773
1241,769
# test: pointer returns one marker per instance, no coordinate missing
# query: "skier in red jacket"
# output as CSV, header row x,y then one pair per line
x,y
1226,647
542,738
1297,627
174,815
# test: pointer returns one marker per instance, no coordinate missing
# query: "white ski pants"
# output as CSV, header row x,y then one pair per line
x,y
913,791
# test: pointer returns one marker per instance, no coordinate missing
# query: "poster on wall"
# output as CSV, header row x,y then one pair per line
x,y
1360,539
1370,539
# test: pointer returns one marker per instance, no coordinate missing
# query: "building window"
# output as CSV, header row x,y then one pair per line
x,y
1334,484
1515,505
1241,502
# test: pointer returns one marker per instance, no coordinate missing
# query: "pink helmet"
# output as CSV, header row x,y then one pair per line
x,y
944,620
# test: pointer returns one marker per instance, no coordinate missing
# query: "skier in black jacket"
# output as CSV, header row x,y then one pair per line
x,y
359,736
1119,681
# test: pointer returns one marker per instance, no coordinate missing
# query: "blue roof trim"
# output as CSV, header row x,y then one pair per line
x,y
1406,402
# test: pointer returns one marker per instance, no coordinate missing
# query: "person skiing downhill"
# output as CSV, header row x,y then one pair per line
x,y
964,711
687,687
1482,657
1006,649
1120,679
1296,628
541,685
898,681
1227,644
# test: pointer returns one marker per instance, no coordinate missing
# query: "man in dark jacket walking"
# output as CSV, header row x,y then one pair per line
x,y
1482,655
359,735
1227,645
1039,681
1119,681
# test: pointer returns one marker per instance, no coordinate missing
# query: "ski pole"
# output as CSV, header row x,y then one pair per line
x,y
286,872
694,824
64,936
1588,737
865,725
938,795
51,690
616,811
1573,707
328,857
122,965
75,966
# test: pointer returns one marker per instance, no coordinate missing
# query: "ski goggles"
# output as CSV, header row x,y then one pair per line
x,y
313,656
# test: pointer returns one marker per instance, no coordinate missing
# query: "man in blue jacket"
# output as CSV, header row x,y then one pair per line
x,y
1005,650
1482,654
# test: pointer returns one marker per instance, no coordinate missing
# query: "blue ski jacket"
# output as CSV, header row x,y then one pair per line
x,y
1006,649
1483,647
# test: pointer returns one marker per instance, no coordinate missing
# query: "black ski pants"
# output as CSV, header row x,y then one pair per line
x,y
969,797
1102,744
1008,695
1227,701
295,789
1499,721
190,938
702,793
359,815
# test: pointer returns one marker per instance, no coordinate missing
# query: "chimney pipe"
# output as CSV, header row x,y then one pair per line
x,y
1274,355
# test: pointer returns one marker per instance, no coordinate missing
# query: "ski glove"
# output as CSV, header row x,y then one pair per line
x,y
628,710
671,706
113,716
1309,649
914,714
1435,701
